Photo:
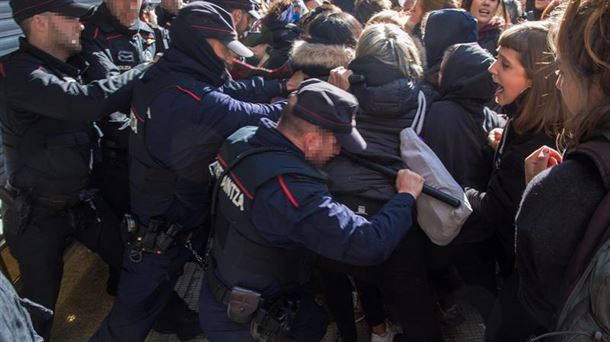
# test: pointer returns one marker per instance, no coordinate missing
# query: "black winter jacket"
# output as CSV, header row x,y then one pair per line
x,y
498,204
388,104
457,125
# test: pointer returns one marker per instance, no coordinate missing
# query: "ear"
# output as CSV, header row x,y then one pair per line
x,y
236,14
39,23
311,143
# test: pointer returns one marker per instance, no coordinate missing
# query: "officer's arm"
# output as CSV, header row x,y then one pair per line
x,y
45,94
311,218
225,115
256,90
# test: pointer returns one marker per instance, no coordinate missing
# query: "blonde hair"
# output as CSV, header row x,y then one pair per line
x,y
583,46
542,109
391,45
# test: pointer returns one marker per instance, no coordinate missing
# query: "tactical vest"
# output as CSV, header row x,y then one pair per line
x,y
155,187
48,157
242,257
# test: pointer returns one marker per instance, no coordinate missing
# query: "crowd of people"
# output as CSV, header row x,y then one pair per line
x,y
262,140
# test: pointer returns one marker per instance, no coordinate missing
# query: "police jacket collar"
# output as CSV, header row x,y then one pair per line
x,y
74,69
108,23
175,60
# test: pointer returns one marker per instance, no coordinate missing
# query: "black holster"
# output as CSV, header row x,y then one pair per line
x,y
274,322
155,238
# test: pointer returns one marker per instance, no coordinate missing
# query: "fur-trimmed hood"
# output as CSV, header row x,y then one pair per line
x,y
317,60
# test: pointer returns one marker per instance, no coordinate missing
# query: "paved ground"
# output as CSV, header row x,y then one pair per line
x,y
84,303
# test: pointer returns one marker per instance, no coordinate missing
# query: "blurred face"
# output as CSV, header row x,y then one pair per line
x,y
407,6
570,89
510,76
126,11
417,13
320,146
64,33
221,51
172,6
484,10
541,4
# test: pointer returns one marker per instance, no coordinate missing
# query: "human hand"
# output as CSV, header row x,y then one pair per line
x,y
540,160
295,80
339,77
409,182
493,138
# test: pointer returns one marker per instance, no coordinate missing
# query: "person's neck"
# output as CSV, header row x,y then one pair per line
x,y
52,50
293,138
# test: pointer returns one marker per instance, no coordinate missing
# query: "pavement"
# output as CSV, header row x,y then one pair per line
x,y
83,303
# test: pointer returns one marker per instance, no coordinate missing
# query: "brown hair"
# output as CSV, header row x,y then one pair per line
x,y
387,17
365,9
542,109
583,47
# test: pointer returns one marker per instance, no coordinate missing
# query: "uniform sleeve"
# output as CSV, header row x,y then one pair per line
x,y
225,114
255,90
45,94
303,213
99,58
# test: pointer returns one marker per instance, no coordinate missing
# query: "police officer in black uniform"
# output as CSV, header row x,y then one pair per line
x,y
114,41
50,141
243,12
182,110
274,212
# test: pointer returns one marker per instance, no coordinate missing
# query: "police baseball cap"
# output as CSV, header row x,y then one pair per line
x,y
250,6
332,108
208,20
23,9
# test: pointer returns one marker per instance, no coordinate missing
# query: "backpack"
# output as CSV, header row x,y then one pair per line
x,y
585,314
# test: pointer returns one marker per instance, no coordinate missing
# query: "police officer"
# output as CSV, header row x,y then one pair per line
x,y
243,12
274,209
182,111
49,143
114,41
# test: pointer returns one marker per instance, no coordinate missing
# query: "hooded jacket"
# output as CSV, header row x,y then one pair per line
x,y
388,104
457,124
490,34
445,28
316,59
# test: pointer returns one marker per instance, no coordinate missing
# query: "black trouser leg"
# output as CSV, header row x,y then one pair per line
x,y
406,289
338,293
39,249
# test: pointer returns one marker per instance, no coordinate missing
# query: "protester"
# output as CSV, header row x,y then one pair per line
x,y
559,203
421,9
524,74
444,28
456,129
365,9
389,71
328,43
492,18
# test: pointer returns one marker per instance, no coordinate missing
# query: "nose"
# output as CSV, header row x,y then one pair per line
x,y
493,68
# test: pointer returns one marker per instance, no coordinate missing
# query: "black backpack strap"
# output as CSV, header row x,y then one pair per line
x,y
598,229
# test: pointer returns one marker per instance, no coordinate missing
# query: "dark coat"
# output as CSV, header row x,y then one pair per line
x,y
497,204
489,36
553,216
457,125
388,104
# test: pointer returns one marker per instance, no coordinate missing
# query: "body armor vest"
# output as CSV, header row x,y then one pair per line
x,y
243,258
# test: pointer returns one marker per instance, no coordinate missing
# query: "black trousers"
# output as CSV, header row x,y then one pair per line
x,y
39,246
398,288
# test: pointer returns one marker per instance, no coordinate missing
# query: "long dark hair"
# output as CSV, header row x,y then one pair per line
x,y
502,11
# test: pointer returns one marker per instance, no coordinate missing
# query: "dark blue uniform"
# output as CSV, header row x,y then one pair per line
x,y
110,48
181,113
294,212
49,142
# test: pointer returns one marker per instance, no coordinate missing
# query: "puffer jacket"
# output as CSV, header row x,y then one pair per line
x,y
389,103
